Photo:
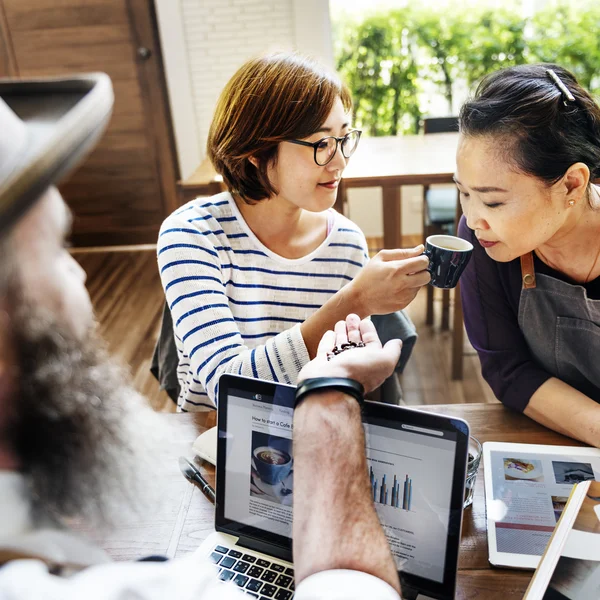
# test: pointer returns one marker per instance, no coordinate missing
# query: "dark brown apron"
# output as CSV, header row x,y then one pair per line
x,y
562,328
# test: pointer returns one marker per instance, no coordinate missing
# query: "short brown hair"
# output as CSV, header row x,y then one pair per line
x,y
270,99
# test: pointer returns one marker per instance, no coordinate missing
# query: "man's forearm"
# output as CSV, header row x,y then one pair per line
x,y
560,407
335,523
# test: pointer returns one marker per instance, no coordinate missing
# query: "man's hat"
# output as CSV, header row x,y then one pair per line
x,y
47,127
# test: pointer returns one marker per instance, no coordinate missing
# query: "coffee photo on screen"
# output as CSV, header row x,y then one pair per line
x,y
271,473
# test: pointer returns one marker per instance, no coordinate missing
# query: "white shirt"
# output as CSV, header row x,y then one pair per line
x,y
236,305
187,578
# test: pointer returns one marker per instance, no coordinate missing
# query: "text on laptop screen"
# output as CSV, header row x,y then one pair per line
x,y
410,470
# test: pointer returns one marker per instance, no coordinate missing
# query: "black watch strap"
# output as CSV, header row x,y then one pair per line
x,y
342,384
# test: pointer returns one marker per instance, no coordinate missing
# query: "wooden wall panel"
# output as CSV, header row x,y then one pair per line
x,y
8,63
28,15
127,186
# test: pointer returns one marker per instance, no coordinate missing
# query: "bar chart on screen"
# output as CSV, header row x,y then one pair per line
x,y
391,492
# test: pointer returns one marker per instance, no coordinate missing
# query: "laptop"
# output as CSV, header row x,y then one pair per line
x,y
417,464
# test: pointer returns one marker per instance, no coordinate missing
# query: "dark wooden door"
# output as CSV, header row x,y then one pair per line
x,y
128,184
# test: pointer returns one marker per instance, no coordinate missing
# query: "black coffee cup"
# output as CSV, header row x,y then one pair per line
x,y
448,257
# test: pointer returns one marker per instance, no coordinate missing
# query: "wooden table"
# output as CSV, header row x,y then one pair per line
x,y
390,163
386,162
187,518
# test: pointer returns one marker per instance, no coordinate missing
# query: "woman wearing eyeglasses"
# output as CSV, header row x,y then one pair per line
x,y
256,275
529,150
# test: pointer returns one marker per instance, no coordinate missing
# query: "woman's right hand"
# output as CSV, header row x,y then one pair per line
x,y
390,281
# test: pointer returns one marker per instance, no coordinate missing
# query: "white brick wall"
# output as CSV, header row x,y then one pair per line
x,y
220,35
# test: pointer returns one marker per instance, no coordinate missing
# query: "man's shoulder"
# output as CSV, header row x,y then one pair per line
x,y
21,579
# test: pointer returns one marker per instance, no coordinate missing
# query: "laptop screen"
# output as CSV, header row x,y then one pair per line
x,y
412,463
259,469
410,471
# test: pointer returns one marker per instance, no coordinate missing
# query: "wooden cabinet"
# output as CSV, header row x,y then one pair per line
x,y
128,184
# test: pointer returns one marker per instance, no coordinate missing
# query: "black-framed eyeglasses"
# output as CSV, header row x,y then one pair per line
x,y
326,148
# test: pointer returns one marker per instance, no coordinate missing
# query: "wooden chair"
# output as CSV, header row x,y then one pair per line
x,y
440,215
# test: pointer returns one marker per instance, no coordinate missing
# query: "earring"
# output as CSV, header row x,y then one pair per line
x,y
571,202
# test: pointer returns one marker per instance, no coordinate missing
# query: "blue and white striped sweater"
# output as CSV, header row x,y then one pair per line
x,y
237,306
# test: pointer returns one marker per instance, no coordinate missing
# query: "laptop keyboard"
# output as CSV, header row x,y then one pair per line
x,y
257,577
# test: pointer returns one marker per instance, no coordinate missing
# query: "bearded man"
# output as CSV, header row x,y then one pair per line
x,y
72,428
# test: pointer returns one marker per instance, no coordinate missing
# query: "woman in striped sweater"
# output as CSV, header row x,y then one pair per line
x,y
254,276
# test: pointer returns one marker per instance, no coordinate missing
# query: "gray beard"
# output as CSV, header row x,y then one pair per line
x,y
88,444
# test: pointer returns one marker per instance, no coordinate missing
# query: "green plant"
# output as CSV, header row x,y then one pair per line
x,y
567,34
445,40
466,43
497,40
376,61
388,59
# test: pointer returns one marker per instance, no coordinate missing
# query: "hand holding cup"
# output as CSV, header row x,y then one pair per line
x,y
390,281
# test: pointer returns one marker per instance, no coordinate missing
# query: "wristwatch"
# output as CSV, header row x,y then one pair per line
x,y
342,384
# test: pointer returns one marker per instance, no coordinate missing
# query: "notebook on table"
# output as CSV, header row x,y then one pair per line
x,y
205,446
417,464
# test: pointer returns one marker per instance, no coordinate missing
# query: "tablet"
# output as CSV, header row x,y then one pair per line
x,y
526,489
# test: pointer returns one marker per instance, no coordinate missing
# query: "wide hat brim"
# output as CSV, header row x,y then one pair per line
x,y
61,121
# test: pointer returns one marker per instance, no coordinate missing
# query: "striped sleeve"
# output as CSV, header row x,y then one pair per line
x,y
196,291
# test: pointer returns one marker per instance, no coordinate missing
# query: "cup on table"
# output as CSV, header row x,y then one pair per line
x,y
472,467
448,256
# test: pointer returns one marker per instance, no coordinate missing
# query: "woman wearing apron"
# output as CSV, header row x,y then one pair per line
x,y
529,149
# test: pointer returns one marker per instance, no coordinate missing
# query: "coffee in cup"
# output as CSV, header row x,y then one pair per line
x,y
273,457
272,464
448,256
